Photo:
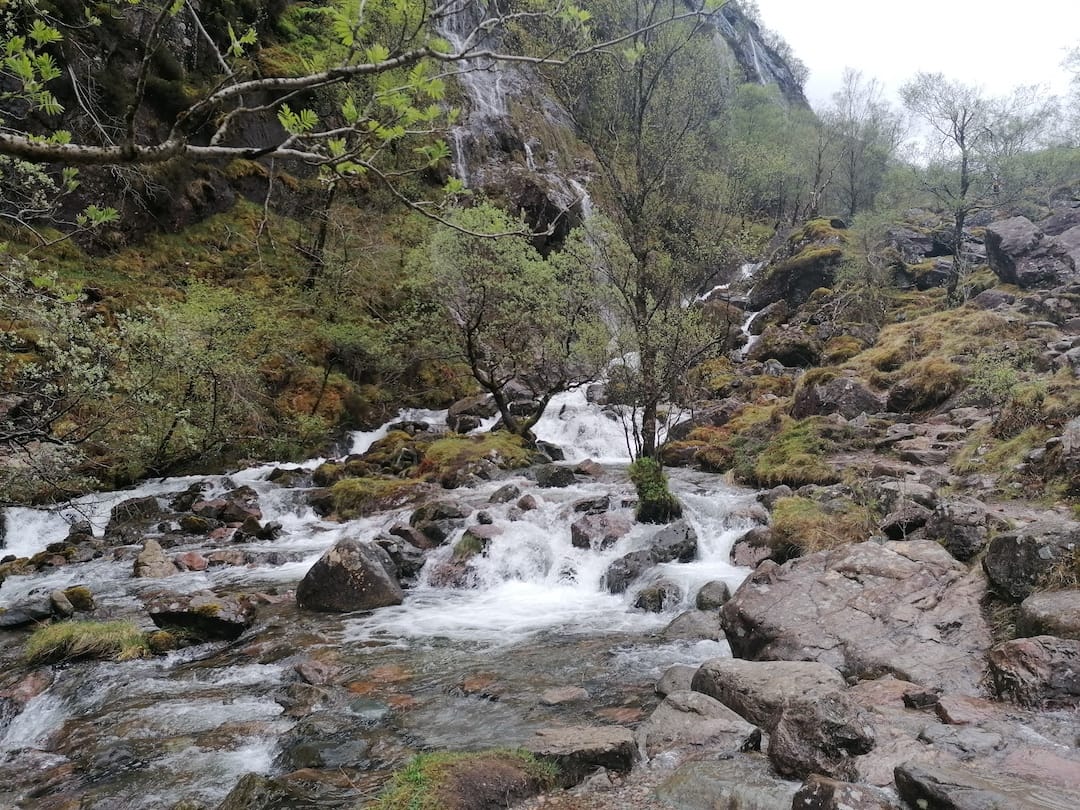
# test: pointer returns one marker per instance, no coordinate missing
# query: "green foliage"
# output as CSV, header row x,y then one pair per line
x,y
434,781
802,526
71,641
656,502
795,454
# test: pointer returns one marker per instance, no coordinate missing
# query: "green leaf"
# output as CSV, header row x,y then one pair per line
x,y
348,109
377,53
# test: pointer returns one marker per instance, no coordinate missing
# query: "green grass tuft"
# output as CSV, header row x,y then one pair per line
x,y
70,641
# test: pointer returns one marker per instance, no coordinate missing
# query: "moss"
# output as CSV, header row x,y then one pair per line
x,y
809,257
931,381
468,547
983,453
162,641
714,377
794,456
356,497
656,502
801,526
448,455
70,641
80,597
841,348
445,780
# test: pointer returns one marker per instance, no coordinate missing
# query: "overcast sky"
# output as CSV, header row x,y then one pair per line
x,y
992,43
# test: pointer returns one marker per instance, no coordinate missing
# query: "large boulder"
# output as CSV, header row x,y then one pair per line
x,y
675,542
1038,671
203,616
694,720
351,575
467,414
599,531
813,726
1021,254
954,786
744,782
1016,562
961,525
1052,613
153,563
907,608
787,345
843,395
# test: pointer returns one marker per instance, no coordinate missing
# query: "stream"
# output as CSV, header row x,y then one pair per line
x,y
449,668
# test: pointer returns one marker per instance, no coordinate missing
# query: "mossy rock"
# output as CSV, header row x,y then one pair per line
x,y
656,502
795,454
81,598
466,781
356,497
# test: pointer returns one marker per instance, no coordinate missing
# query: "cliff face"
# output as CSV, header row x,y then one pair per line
x,y
759,62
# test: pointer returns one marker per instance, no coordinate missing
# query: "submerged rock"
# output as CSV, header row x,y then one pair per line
x,y
351,575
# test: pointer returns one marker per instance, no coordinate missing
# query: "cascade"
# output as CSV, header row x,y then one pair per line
x,y
146,734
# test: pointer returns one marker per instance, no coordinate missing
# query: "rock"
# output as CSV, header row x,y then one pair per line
x,y
962,710
899,524
317,673
552,451
1052,613
560,695
961,525
822,793
906,608
1017,561
350,576
819,735
467,414
712,414
843,395
133,510
658,597
712,595
527,503
505,494
953,786
789,346
186,499
240,504
694,625
26,613
758,690
257,792
677,678
203,615
80,597
593,506
589,468
437,521
993,299
599,531
744,782
769,497
152,562
61,605
1021,254
893,493
753,548
693,720
677,541
555,476
190,561
408,559
577,751
1038,671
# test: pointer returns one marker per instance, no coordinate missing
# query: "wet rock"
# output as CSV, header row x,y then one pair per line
x,y
527,503
689,720
408,559
555,476
80,597
190,561
843,395
953,786
674,542
193,524
186,499
694,625
153,563
1038,671
317,673
324,740
598,532
822,793
590,468
577,751
467,414
144,510
742,782
712,595
560,695
22,615
203,616
1021,254
1052,613
753,548
61,605
593,506
677,678
505,494
257,792
438,520
351,575
658,597
1017,561
906,608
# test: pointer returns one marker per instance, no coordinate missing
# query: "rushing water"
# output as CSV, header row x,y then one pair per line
x,y
448,668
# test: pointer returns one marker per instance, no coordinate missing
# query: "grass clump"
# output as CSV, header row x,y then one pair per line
x,y
453,780
795,454
71,641
803,526
1063,575
656,502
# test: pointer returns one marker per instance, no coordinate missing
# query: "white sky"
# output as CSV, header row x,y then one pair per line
x,y
991,43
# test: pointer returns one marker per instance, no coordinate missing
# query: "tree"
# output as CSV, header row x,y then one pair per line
x,y
648,114
870,132
973,140
370,104
516,319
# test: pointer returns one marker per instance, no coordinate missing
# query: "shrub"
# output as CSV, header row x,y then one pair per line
x,y
70,641
656,502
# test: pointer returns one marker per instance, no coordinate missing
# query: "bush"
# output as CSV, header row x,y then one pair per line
x,y
70,641
656,502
